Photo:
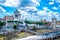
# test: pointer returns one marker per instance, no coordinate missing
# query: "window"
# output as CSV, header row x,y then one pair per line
x,y
16,16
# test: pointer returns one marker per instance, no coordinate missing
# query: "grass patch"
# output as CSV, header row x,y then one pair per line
x,y
1,37
23,34
44,31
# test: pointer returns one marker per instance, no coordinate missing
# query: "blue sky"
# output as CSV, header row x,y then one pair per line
x,y
31,9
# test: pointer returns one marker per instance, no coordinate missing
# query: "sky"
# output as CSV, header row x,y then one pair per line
x,y
31,9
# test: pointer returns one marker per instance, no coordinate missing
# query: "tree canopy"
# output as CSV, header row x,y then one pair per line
x,y
15,21
1,23
15,27
32,22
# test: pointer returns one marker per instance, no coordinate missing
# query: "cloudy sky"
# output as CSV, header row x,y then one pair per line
x,y
31,9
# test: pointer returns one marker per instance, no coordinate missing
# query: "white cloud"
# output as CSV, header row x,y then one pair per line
x,y
50,3
31,8
1,16
24,14
58,1
45,8
51,0
18,3
36,2
29,3
7,13
2,9
41,12
3,12
14,3
47,14
11,3
50,14
26,5
28,15
34,18
59,5
55,8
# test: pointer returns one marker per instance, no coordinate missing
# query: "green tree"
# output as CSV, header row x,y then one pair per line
x,y
40,23
1,24
15,27
45,23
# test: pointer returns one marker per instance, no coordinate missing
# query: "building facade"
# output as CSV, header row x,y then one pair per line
x,y
8,18
1,20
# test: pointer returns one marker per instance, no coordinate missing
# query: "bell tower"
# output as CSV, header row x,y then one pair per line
x,y
54,20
